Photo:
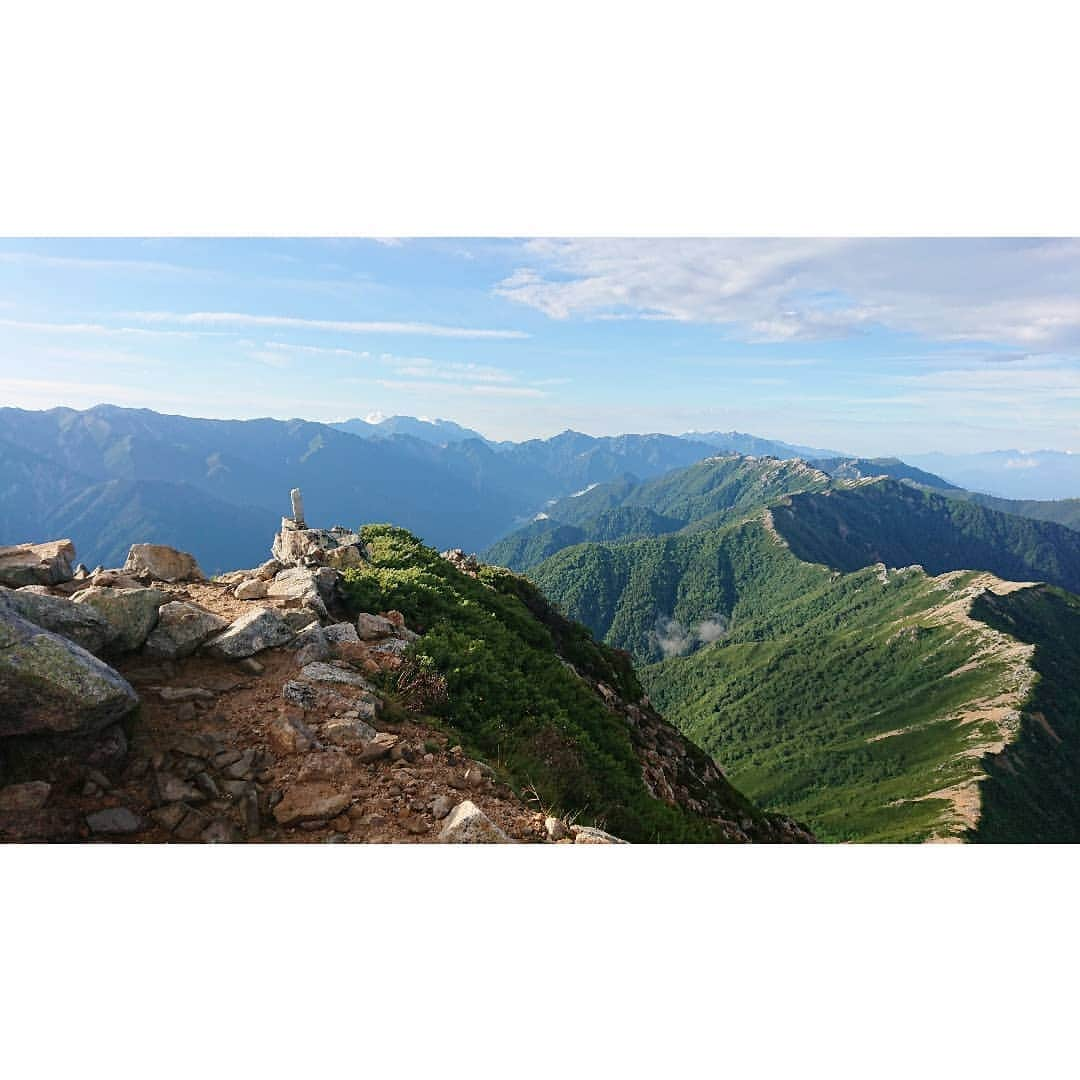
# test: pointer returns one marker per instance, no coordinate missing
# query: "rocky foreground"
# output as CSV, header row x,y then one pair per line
x,y
148,703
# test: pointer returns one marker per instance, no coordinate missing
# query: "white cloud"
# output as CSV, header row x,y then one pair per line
x,y
460,389
97,329
317,350
72,262
422,368
235,318
1021,292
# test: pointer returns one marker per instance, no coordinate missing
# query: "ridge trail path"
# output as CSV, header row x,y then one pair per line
x,y
399,798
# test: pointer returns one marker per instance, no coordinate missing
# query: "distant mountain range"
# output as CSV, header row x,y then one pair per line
x,y
437,432
739,443
106,475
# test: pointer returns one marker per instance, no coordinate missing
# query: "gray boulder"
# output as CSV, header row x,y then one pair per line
x,y
468,824
316,642
119,821
50,684
36,564
348,731
301,617
371,627
163,563
181,628
79,622
132,613
262,628
586,834
250,589
301,587
328,673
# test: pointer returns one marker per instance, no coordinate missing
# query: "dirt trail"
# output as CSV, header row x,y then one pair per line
x,y
221,709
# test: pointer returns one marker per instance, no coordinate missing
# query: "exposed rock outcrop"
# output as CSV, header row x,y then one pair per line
x,y
297,545
468,824
36,564
80,623
131,613
49,684
181,628
249,634
161,563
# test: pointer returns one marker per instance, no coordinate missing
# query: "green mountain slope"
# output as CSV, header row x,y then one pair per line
x,y
535,695
897,524
1062,511
872,703
1032,792
869,715
860,468
540,539
707,493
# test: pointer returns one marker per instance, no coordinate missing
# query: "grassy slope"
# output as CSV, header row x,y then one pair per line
x,y
512,701
1033,793
814,665
797,711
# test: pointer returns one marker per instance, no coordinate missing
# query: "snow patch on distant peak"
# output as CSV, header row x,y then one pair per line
x,y
583,491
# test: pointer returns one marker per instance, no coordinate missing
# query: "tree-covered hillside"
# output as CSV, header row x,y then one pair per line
x,y
1062,511
897,524
858,698
705,494
1033,793
514,699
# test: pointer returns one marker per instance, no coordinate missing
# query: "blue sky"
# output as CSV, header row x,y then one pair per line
x,y
867,346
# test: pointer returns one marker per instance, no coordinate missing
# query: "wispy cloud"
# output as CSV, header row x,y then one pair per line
x,y
422,368
460,389
1018,292
100,330
235,318
126,266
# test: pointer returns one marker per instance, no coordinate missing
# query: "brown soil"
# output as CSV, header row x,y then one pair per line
x,y
390,798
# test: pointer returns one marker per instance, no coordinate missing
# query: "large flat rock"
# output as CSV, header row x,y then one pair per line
x,y
261,628
162,563
82,623
132,613
181,628
50,684
36,564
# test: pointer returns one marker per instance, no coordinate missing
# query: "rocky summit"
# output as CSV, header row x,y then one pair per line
x,y
293,702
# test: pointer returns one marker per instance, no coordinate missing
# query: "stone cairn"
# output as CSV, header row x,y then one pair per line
x,y
297,545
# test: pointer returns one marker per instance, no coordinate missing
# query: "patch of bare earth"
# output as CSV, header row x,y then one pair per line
x,y
209,725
